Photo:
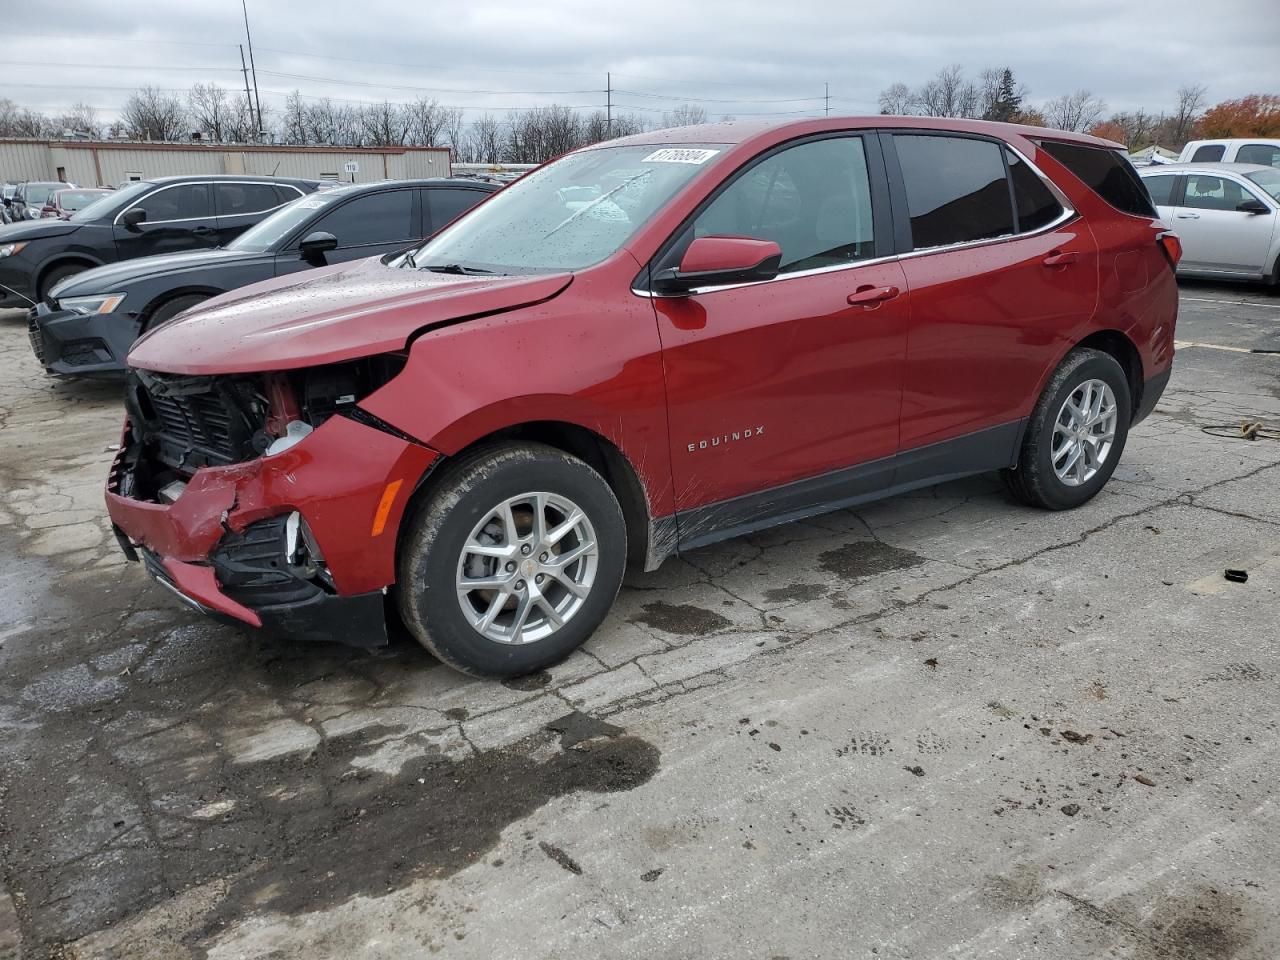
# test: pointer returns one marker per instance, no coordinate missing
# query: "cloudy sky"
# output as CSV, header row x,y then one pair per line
x,y
738,57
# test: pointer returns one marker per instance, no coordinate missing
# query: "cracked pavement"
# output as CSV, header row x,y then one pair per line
x,y
939,725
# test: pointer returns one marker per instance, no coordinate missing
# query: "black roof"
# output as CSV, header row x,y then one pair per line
x,y
186,178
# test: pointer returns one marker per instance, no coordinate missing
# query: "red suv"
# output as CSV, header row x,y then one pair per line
x,y
646,346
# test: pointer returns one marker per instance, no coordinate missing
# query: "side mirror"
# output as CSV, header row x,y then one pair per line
x,y
131,218
314,246
717,260
1253,206
8,201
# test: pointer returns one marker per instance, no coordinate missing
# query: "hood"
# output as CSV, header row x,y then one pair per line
x,y
326,316
113,276
35,229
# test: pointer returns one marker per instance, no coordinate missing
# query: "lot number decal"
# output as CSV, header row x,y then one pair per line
x,y
674,155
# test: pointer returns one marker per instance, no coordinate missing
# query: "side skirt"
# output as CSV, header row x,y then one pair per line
x,y
984,450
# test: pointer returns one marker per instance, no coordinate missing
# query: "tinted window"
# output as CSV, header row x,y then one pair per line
x,y
1263,153
286,194
376,218
444,205
1210,153
1160,188
1213,193
1034,203
240,199
1107,172
185,201
956,189
813,200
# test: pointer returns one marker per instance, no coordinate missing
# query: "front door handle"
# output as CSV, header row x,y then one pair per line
x,y
870,296
1188,216
1060,259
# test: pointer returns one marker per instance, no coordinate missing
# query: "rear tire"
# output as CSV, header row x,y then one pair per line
x,y
479,525
167,311
1064,459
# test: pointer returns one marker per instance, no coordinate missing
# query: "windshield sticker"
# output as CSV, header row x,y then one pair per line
x,y
679,155
313,204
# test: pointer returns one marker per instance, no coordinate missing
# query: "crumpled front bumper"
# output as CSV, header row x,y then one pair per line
x,y
68,343
351,484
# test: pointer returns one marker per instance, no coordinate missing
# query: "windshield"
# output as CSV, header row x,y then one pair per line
x,y
107,203
1268,180
37,195
567,215
78,199
266,234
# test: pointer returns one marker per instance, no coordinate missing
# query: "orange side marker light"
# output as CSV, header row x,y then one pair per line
x,y
384,507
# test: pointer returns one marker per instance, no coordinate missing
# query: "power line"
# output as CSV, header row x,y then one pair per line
x,y
110,66
672,96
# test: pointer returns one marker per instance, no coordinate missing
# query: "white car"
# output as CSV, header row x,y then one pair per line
x,y
1237,150
1227,216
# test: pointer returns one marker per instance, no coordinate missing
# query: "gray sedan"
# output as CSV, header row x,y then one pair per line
x,y
1226,214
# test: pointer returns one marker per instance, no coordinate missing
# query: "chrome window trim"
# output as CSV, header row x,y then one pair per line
x,y
1068,214
214,215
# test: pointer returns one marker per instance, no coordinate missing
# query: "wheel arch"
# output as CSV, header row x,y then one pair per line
x,y
169,295
62,260
644,548
1125,352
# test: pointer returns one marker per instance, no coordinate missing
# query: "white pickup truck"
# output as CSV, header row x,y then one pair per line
x,y
1237,150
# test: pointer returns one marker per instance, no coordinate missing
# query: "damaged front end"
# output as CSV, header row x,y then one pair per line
x,y
270,500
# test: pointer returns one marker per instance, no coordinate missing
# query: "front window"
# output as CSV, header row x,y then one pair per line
x,y
1268,180
110,203
570,214
1213,193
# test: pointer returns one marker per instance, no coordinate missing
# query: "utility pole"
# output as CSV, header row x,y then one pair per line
x,y
826,97
252,69
608,102
247,99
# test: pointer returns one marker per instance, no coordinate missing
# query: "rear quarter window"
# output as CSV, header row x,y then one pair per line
x,y
1107,173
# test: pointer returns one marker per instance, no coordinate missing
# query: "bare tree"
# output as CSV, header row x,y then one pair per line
x,y
80,119
685,115
295,121
150,114
1074,111
1139,126
211,110
455,132
425,121
897,99
948,94
385,124
539,134
1190,106
485,142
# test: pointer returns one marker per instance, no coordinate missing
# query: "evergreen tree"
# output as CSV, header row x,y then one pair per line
x,y
1008,100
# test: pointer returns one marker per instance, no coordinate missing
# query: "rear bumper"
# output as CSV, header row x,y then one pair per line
x,y
222,547
71,344
1152,391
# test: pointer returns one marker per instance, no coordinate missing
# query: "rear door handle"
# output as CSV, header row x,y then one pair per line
x,y
1188,216
202,231
869,296
1060,259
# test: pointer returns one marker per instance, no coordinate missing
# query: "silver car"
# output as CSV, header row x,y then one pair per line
x,y
1226,214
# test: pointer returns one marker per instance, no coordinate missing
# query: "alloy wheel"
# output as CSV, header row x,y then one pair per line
x,y
527,568
1084,432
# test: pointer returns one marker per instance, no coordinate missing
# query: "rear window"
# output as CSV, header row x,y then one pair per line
x,y
956,189
1107,172
1209,153
1263,153
1034,203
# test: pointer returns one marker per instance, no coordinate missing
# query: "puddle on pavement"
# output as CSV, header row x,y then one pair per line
x,y
866,558
683,619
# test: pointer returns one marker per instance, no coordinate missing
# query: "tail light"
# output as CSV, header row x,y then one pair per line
x,y
1171,246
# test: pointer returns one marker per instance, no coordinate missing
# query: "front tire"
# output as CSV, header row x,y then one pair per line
x,y
512,562
1076,433
167,311
57,275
